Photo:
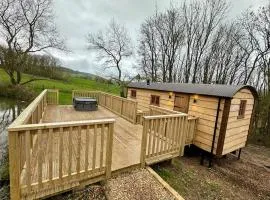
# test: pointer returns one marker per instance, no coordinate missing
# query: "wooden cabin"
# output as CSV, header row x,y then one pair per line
x,y
224,112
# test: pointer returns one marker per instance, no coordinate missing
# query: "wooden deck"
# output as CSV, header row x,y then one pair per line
x,y
53,148
126,139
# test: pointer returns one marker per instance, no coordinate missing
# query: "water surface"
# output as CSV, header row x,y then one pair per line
x,y
9,111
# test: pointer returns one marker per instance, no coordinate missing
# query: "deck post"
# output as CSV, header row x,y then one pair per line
x,y
144,142
109,151
14,165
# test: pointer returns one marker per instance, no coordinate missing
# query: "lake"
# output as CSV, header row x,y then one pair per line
x,y
9,110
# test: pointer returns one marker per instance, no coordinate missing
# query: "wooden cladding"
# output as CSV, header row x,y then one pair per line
x,y
155,100
242,109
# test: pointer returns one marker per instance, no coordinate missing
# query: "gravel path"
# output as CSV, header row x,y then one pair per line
x,y
136,185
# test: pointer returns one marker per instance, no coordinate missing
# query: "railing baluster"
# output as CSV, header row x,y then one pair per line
x,y
69,150
79,150
162,135
158,136
167,132
154,136
39,135
28,161
86,148
150,138
61,132
102,146
172,133
94,147
50,153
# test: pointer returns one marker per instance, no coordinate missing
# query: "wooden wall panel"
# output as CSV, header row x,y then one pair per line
x,y
143,98
205,108
237,129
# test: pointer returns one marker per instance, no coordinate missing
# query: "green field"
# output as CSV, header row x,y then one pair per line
x,y
65,87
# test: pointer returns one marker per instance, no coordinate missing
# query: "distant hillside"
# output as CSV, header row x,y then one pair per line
x,y
77,81
82,74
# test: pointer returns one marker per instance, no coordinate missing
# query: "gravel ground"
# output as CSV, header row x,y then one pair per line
x,y
92,192
136,185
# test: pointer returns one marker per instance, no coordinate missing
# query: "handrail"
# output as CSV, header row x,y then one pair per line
x,y
59,124
163,109
164,116
24,116
122,98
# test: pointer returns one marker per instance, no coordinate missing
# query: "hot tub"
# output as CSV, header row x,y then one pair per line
x,y
85,104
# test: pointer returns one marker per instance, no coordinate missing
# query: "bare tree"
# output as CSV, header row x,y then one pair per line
x,y
112,46
26,27
148,50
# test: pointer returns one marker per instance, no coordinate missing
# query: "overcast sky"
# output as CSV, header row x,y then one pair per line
x,y
76,18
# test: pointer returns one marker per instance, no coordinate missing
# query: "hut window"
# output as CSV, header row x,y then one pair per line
x,y
242,109
133,93
154,100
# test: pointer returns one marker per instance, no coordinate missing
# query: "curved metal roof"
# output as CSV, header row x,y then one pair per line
x,y
203,89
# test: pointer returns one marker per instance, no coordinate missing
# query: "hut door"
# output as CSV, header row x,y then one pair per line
x,y
181,103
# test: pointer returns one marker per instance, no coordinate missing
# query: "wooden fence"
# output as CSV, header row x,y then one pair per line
x,y
126,108
163,137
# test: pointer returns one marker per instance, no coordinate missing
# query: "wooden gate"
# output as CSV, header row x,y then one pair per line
x,y
163,137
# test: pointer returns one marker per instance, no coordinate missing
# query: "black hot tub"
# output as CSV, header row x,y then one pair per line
x,y
85,104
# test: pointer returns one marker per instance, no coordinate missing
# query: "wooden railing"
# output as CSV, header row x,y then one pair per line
x,y
155,110
52,97
52,157
58,156
33,113
163,137
85,93
191,129
126,108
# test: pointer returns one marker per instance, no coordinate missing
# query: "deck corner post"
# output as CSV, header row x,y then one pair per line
x,y
184,134
109,151
14,165
72,95
144,142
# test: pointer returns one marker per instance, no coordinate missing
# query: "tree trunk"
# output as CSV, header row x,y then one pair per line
x,y
19,77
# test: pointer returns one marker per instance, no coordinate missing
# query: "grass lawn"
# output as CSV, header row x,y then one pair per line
x,y
229,178
65,87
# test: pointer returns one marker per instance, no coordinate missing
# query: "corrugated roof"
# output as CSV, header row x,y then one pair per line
x,y
203,89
